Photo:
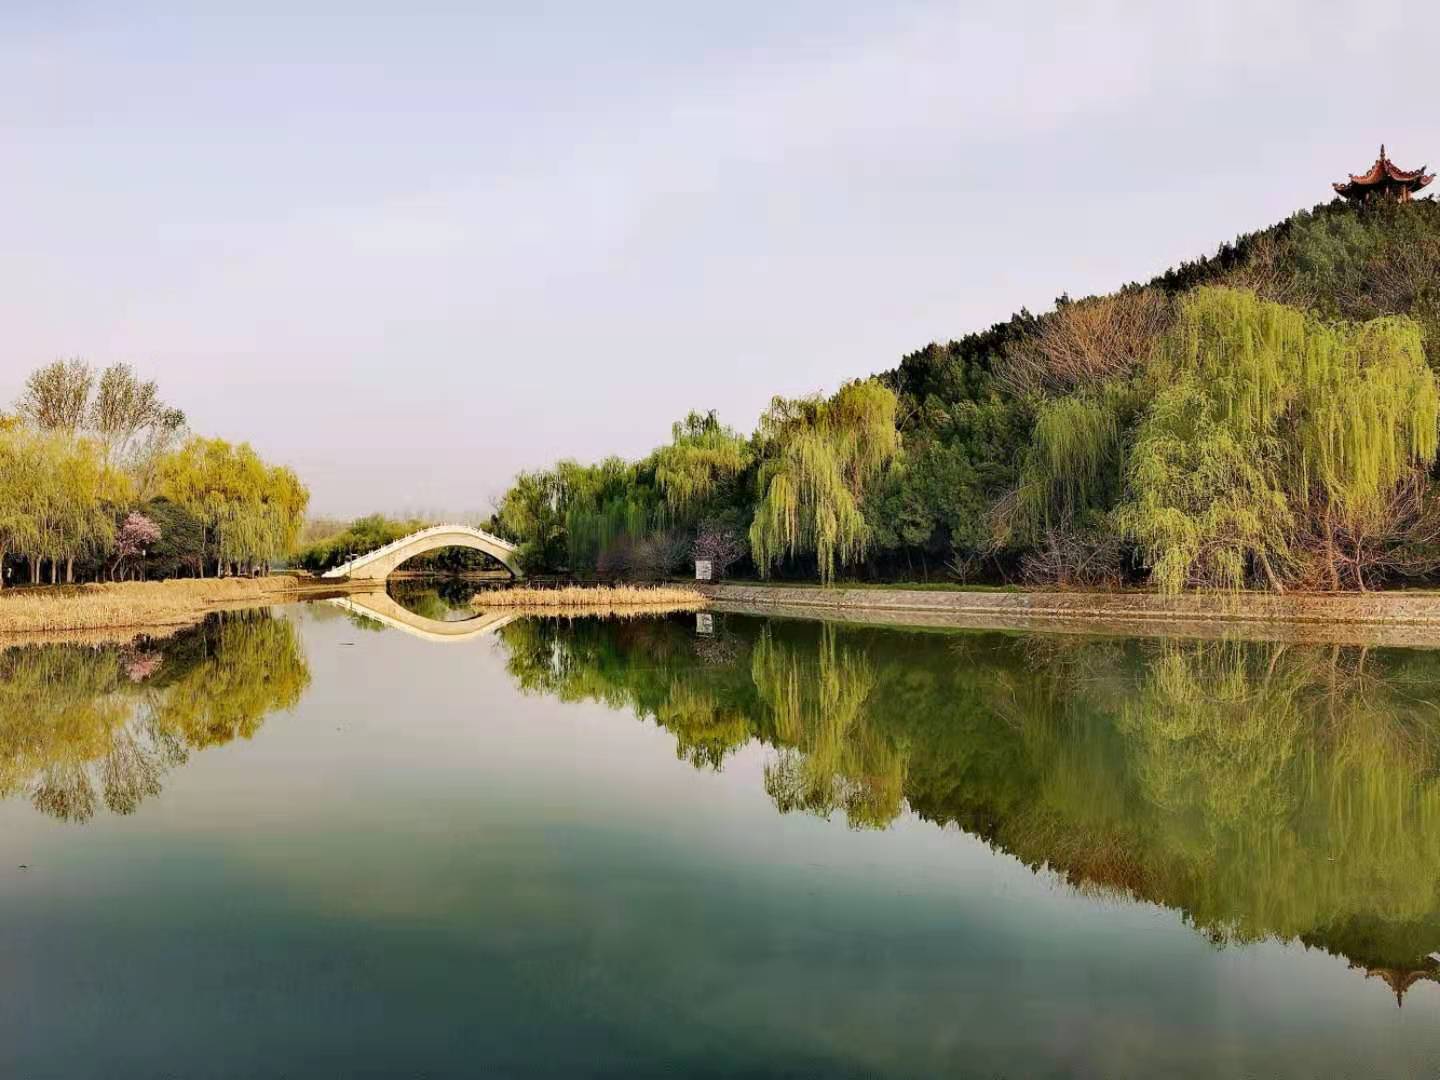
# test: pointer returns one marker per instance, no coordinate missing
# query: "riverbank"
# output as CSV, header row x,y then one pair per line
x,y
114,610
594,599
1391,618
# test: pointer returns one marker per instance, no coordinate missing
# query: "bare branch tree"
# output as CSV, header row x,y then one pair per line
x,y
1086,340
124,407
57,396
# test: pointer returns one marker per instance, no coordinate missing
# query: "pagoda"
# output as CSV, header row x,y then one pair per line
x,y
1402,979
1385,179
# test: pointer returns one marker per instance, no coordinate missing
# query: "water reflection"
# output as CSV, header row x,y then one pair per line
x,y
440,599
83,728
1264,790
380,610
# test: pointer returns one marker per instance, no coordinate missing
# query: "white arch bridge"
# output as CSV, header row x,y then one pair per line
x,y
377,565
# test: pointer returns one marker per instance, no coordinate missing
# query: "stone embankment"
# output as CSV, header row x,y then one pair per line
x,y
1384,618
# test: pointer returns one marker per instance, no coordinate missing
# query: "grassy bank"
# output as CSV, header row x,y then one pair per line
x,y
597,600
138,605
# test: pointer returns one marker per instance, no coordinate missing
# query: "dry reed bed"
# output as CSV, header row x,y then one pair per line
x,y
137,605
594,600
620,613
101,637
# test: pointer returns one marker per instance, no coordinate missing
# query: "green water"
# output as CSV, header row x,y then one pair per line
x,y
306,844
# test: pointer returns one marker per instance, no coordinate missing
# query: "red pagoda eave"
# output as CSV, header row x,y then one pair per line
x,y
1385,175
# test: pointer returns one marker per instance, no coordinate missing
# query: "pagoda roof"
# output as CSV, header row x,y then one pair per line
x,y
1400,979
1384,173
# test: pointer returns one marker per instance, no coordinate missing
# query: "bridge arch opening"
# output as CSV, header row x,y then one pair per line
x,y
453,559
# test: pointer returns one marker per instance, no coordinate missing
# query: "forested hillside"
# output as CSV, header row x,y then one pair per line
x,y
1264,417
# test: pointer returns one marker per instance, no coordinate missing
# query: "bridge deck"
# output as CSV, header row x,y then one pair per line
x,y
379,563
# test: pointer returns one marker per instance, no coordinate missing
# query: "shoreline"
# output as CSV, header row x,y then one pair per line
x,y
118,612
1381,619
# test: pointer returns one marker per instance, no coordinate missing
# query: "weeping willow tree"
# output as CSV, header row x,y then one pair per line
x,y
818,457
251,512
1272,433
603,503
569,514
703,456
1072,469
832,756
57,500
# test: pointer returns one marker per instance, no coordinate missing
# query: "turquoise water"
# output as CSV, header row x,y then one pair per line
x,y
305,844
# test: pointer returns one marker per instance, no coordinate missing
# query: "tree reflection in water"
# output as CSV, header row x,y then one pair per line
x,y
1266,791
83,727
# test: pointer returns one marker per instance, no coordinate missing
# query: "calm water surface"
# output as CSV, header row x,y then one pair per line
x,y
315,843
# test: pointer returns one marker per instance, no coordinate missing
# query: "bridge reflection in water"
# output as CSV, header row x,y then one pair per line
x,y
381,607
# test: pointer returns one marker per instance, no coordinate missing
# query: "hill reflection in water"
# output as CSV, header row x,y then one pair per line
x,y
1266,791
1263,790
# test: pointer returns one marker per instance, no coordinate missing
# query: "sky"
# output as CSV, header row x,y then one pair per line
x,y
410,248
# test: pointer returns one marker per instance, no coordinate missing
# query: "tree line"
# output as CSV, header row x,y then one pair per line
x,y
100,479
1263,418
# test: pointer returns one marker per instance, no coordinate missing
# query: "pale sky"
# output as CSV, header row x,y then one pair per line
x,y
411,248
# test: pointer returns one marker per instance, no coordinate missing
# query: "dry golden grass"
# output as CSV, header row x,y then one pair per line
x,y
94,638
138,605
594,600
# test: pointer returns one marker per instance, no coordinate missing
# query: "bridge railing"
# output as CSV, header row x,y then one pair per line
x,y
350,565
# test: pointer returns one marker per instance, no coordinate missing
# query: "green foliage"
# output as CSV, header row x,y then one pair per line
x,y
702,458
180,550
251,512
56,498
1267,416
1262,790
818,456
1242,420
82,728
1070,475
532,514
361,536
605,504
962,439
78,456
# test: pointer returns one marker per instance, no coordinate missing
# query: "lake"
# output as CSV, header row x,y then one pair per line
x,y
316,842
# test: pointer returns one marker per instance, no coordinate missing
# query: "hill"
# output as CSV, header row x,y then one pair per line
x,y
1261,417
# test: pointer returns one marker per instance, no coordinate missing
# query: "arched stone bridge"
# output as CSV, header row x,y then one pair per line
x,y
384,610
377,565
